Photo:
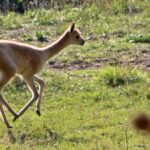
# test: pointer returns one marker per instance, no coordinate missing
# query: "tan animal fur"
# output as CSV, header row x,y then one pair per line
x,y
26,61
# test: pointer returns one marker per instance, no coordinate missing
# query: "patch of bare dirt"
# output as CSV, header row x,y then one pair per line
x,y
79,65
139,58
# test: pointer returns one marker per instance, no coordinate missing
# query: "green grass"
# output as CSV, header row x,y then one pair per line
x,y
83,108
79,110
139,38
118,76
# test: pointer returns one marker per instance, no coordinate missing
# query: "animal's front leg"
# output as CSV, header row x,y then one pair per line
x,y
35,95
41,87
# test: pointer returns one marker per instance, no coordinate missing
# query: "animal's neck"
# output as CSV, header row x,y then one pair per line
x,y
57,46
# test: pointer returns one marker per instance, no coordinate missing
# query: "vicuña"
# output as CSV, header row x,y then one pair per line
x,y
26,61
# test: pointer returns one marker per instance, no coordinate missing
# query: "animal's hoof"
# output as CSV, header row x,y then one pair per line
x,y
15,118
38,112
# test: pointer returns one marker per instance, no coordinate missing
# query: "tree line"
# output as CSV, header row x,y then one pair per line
x,y
21,6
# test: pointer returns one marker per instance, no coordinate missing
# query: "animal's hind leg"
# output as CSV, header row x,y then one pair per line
x,y
5,77
5,103
4,117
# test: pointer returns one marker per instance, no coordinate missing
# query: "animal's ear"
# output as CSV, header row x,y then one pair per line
x,y
72,26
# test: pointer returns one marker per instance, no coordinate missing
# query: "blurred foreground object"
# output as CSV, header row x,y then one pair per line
x,y
142,122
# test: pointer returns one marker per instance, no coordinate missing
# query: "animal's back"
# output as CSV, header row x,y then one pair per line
x,y
25,58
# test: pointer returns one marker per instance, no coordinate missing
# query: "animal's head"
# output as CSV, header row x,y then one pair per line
x,y
75,35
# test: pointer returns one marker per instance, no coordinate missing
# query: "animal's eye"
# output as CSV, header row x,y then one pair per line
x,y
77,36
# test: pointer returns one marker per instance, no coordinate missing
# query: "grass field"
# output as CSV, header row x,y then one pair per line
x,y
92,92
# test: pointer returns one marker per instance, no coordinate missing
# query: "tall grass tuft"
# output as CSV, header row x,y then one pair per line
x,y
11,20
117,76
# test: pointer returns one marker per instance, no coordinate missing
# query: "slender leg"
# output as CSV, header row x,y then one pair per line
x,y
35,95
4,117
41,87
4,79
5,103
